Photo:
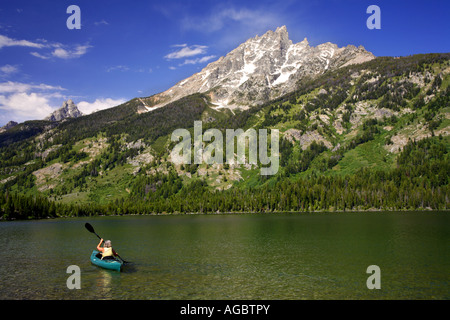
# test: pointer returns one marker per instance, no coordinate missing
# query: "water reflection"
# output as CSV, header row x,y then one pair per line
x,y
104,283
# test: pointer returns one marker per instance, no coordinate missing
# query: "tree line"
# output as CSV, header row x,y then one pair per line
x,y
420,181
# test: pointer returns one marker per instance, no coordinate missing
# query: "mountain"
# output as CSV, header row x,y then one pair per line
x,y
263,68
67,110
371,135
8,126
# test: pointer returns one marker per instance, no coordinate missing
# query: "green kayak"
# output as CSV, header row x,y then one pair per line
x,y
111,263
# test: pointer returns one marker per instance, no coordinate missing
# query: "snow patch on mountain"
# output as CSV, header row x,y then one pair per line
x,y
262,68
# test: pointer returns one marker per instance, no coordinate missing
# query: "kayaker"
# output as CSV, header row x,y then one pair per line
x,y
106,250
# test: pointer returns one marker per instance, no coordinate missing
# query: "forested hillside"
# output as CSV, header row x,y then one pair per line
x,y
372,136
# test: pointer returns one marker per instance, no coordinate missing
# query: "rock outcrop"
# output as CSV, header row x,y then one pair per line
x,y
67,110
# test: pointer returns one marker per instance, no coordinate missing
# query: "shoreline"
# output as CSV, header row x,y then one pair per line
x,y
430,210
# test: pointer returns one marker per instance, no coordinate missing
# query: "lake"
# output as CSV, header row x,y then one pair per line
x,y
236,256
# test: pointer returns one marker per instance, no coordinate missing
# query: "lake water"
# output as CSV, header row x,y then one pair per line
x,y
246,256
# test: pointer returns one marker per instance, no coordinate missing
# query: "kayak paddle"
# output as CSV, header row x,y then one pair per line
x,y
90,228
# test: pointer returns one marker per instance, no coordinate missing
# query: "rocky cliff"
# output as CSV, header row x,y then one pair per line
x,y
67,110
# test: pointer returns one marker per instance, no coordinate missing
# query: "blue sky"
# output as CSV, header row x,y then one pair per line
x,y
128,49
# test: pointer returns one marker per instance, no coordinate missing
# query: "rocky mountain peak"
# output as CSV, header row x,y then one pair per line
x,y
262,68
9,125
280,33
67,110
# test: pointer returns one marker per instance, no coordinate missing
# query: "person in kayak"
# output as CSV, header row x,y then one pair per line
x,y
107,249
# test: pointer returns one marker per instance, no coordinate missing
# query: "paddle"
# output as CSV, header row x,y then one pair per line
x,y
90,228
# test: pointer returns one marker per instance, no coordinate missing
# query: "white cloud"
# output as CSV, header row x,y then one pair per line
x,y
24,101
8,69
186,51
15,87
222,16
80,50
61,53
77,52
98,104
179,45
8,42
118,68
59,50
189,51
25,106
104,22
198,60
38,55
123,68
232,25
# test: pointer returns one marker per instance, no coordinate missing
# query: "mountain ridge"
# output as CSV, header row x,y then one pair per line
x,y
369,136
261,69
257,81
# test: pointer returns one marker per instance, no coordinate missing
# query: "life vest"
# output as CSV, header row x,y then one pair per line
x,y
107,252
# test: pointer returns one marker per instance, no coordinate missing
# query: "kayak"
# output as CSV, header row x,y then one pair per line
x,y
110,264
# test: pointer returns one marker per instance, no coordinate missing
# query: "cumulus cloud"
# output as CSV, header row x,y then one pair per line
x,y
76,52
61,53
24,101
98,104
26,105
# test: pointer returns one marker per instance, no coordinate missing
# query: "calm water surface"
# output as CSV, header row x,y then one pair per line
x,y
271,256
